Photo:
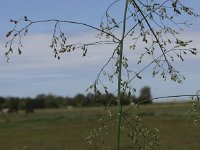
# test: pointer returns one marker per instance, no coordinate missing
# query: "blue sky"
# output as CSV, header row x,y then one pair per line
x,y
36,71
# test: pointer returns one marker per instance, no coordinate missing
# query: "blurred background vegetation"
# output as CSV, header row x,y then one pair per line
x,y
64,123
13,104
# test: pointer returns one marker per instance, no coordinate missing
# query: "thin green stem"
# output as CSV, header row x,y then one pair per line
x,y
119,114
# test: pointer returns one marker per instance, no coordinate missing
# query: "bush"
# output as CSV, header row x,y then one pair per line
x,y
145,96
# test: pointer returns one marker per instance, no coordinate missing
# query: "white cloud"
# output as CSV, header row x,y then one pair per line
x,y
37,62
36,52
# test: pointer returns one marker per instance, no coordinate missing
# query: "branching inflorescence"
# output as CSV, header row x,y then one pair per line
x,y
155,25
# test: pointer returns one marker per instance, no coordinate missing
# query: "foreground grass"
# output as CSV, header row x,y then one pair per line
x,y
64,129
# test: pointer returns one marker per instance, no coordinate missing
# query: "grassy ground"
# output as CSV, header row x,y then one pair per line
x,y
66,129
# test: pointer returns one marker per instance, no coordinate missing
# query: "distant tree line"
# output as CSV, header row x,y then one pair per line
x,y
13,104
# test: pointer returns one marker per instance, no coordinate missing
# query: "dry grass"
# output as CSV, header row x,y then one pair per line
x,y
63,129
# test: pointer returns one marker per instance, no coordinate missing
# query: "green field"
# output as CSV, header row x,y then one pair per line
x,y
67,129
